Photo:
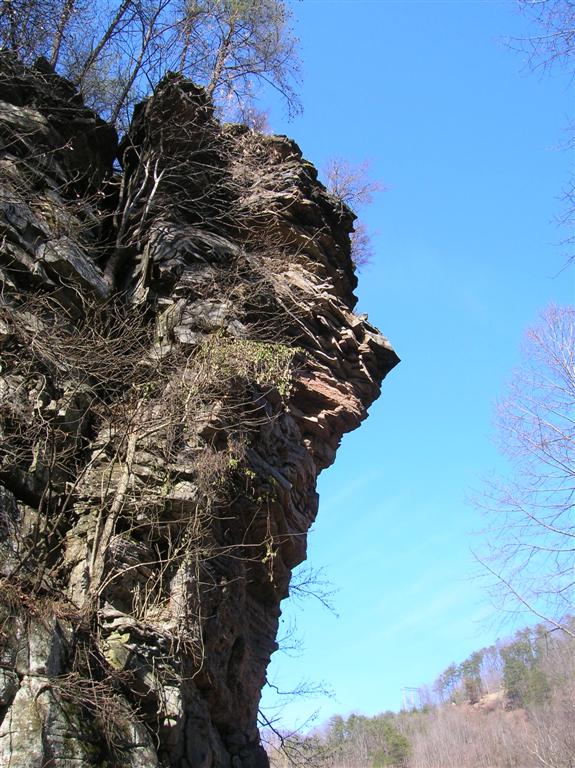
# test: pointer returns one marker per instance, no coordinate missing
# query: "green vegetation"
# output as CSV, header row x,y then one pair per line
x,y
379,740
267,364
524,679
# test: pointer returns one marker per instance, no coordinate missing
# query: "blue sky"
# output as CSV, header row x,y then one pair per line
x,y
471,148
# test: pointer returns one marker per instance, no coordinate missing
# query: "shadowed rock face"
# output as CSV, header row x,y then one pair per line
x,y
180,359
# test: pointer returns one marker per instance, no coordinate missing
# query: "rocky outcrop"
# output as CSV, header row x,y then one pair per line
x,y
180,359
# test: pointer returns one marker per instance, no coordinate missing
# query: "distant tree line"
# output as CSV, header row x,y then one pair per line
x,y
510,705
521,669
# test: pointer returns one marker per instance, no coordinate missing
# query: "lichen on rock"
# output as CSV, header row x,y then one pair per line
x,y
180,359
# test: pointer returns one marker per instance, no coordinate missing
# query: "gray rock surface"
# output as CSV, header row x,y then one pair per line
x,y
180,359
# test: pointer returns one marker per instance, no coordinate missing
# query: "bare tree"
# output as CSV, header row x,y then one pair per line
x,y
118,51
352,184
532,535
553,42
552,45
246,39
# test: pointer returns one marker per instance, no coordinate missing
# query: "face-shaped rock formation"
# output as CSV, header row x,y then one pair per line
x,y
180,359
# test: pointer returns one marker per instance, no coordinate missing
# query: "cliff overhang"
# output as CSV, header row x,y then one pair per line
x,y
180,359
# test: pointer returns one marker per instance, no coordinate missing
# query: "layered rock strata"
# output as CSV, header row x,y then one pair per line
x,y
180,359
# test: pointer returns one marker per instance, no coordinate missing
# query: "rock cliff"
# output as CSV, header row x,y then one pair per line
x,y
179,361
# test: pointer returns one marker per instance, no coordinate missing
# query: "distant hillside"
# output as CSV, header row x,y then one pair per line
x,y
511,705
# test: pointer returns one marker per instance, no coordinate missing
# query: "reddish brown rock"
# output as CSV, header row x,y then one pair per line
x,y
180,359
